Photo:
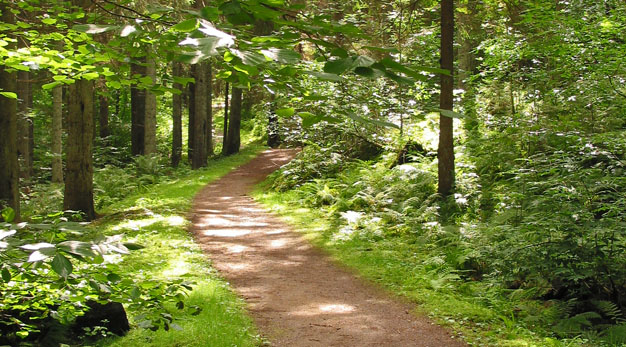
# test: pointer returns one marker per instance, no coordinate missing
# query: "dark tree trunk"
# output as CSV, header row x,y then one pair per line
x,y
104,116
57,134
150,121
9,169
79,167
225,132
233,143
138,110
199,157
24,124
209,111
191,104
177,111
446,145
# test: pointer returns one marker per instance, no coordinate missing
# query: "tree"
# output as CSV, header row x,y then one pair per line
x,y
9,169
78,194
200,120
150,121
57,134
177,110
446,145
138,108
233,142
226,104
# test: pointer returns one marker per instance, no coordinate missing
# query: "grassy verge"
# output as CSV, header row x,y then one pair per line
x,y
156,219
475,311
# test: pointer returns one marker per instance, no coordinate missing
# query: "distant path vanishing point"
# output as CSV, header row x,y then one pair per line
x,y
295,294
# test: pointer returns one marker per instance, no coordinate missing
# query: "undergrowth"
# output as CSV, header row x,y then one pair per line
x,y
527,254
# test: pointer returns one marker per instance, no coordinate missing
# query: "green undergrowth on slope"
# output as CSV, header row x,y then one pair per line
x,y
157,219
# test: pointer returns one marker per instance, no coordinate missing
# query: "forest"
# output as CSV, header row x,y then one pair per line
x,y
466,156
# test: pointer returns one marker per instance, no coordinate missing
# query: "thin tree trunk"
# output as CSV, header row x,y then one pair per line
x,y
199,129
209,111
177,111
79,168
273,136
234,141
150,116
191,104
57,134
24,124
225,132
137,110
446,145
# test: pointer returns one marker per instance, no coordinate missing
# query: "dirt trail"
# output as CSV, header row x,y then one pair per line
x,y
295,294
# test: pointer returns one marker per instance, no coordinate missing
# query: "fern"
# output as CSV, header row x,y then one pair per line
x,y
609,310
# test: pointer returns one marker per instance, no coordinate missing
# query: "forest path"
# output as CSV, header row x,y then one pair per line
x,y
295,294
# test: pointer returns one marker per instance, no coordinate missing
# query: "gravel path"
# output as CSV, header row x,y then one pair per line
x,y
295,294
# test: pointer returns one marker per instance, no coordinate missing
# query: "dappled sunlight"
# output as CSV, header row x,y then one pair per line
x,y
177,268
314,309
237,248
278,243
226,232
138,224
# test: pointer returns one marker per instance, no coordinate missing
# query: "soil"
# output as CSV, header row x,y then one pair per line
x,y
295,293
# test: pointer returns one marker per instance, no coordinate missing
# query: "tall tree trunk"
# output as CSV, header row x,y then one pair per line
x,y
273,136
150,120
234,141
225,132
103,112
24,124
191,105
209,111
79,168
57,134
9,169
446,145
177,112
199,157
137,110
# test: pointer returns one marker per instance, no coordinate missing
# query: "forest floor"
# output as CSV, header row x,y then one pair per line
x,y
294,292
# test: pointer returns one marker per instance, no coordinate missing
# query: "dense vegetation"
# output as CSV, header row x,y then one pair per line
x,y
517,236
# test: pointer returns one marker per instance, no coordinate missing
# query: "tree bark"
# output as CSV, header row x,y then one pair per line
x,y
150,115
446,145
79,169
57,134
9,168
225,132
199,156
137,110
191,104
177,112
209,111
234,141
24,124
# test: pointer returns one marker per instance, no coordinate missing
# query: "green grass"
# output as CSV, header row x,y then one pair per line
x,y
157,220
473,310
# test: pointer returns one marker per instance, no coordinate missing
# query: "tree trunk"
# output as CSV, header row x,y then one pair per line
x,y
191,104
79,169
233,143
273,137
199,130
24,124
209,111
225,132
150,116
57,134
137,110
446,145
9,169
177,111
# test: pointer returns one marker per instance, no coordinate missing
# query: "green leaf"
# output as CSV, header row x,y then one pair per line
x,y
338,66
284,56
114,277
186,26
48,21
9,95
94,28
61,265
4,234
371,121
83,249
89,76
450,114
6,275
364,71
309,119
133,246
8,214
325,76
285,112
